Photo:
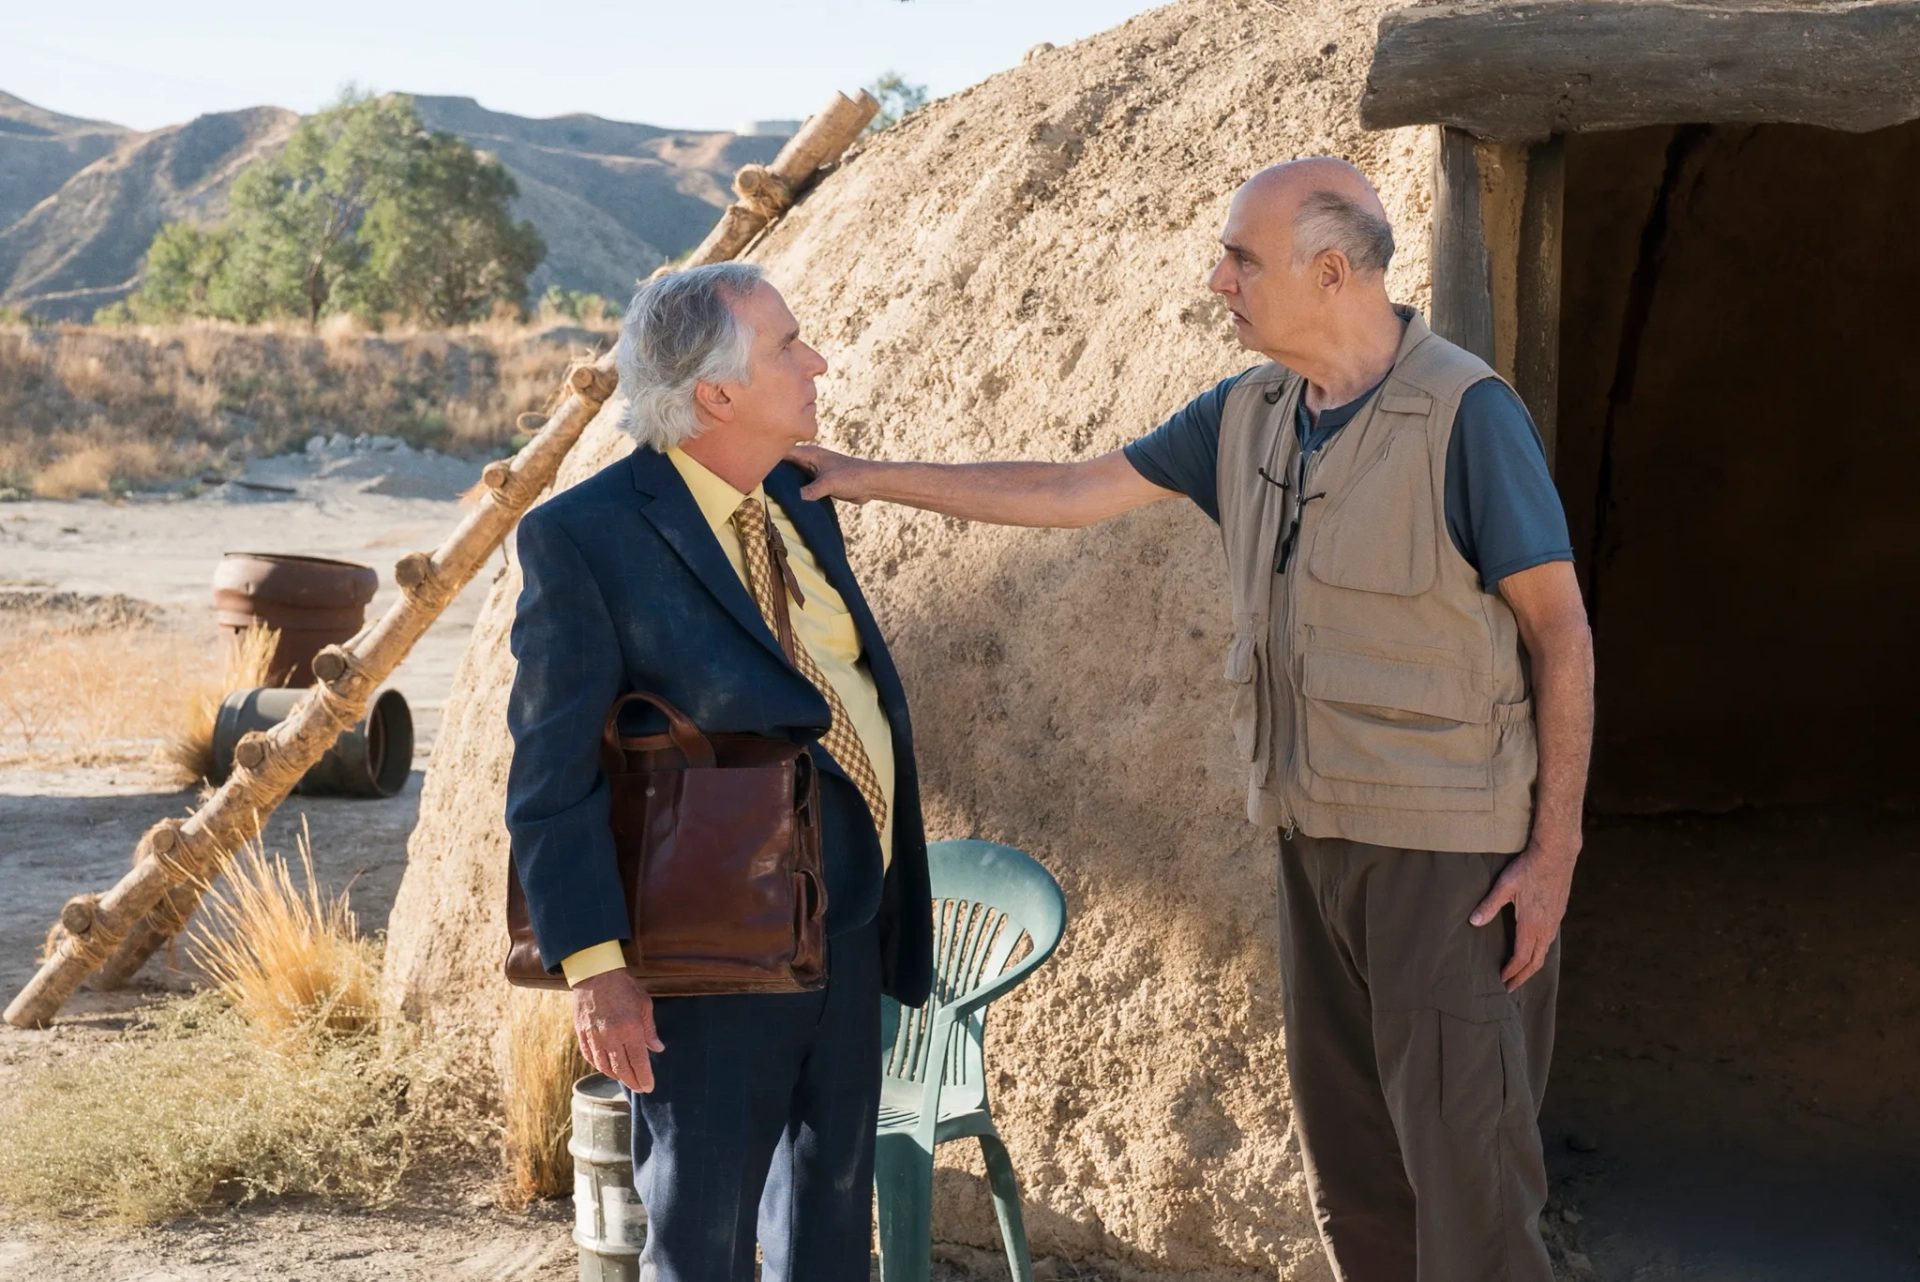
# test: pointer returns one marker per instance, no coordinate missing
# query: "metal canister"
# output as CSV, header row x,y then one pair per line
x,y
371,759
314,602
609,1224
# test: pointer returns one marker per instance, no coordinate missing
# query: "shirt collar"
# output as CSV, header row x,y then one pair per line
x,y
716,499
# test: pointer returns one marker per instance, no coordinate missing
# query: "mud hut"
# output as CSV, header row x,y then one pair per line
x,y
1641,213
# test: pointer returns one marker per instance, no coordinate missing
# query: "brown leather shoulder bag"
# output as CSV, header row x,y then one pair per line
x,y
718,839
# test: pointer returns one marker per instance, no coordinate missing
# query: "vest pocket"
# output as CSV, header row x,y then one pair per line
x,y
1377,727
1244,669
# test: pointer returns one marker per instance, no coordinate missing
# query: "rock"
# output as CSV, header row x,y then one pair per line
x,y
1570,1215
339,443
1045,46
383,444
1578,1262
316,443
1583,1142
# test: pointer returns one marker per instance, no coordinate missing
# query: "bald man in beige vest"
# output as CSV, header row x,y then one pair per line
x,y
1414,699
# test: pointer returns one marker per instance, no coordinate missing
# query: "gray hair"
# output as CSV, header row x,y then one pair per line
x,y
1328,220
680,331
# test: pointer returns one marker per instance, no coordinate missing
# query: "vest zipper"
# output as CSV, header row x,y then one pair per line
x,y
1302,475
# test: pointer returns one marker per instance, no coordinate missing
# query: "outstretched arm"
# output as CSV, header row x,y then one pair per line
x,y
1060,495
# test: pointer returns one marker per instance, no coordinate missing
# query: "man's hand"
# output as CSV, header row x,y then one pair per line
x,y
834,475
613,1017
1537,883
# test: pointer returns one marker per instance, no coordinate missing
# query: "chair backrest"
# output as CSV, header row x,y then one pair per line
x,y
997,914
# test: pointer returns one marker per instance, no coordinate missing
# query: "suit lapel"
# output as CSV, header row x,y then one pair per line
x,y
666,502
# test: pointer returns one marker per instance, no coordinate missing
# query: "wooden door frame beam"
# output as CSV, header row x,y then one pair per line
x,y
1497,229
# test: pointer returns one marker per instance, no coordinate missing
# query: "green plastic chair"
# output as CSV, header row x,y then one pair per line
x,y
987,899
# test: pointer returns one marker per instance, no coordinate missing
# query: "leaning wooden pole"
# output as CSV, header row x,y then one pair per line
x,y
767,191
177,859
190,852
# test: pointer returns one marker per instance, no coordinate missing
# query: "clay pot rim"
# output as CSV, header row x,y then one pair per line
x,y
295,558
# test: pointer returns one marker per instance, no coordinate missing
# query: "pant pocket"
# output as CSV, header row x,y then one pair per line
x,y
1482,1074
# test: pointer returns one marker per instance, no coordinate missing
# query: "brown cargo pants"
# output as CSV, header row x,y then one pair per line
x,y
1417,1077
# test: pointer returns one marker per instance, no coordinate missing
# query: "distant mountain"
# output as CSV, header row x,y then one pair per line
x,y
80,200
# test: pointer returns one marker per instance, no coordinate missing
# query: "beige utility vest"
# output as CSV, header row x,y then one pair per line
x,y
1382,692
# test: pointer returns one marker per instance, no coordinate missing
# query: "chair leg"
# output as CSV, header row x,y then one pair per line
x,y
1006,1206
903,1185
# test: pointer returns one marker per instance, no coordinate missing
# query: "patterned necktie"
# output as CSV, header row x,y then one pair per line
x,y
759,540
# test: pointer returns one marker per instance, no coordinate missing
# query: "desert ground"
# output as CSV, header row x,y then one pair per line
x,y
1734,1086
68,828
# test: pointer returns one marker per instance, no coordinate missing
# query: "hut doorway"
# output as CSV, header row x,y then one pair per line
x,y
1712,324
1737,438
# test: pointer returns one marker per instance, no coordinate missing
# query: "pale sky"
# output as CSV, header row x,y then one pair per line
x,y
701,64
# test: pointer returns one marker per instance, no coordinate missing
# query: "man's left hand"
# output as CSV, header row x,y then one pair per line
x,y
1537,884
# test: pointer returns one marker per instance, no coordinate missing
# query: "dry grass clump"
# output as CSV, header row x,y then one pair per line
x,y
194,1110
91,688
292,964
247,663
91,411
283,1080
543,1063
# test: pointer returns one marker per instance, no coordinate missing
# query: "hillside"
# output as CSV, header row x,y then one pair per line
x,y
80,200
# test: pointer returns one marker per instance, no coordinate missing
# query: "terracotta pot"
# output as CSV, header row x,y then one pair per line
x,y
313,601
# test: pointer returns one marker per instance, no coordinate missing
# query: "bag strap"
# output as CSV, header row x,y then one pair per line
x,y
684,735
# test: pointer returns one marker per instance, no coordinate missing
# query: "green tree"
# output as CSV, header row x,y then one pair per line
x,y
182,264
296,217
898,100
363,210
442,246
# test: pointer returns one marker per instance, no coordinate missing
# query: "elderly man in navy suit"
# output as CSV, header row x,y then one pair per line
x,y
753,1114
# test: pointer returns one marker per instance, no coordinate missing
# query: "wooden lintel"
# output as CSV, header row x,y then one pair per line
x,y
1528,70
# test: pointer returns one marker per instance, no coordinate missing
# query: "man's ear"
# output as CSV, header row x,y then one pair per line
x,y
1331,269
712,402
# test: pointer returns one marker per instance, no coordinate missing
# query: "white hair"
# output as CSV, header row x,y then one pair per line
x,y
1329,220
680,331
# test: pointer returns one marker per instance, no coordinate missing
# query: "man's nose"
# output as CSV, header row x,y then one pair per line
x,y
819,365
1217,279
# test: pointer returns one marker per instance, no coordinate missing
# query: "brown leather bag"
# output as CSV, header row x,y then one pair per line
x,y
718,839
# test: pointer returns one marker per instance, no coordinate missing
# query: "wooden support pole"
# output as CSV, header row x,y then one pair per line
x,y
1496,260
186,855
1536,358
767,191
1462,292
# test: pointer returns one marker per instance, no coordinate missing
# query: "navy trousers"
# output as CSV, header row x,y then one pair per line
x,y
760,1124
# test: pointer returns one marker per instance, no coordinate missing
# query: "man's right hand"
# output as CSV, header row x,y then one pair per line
x,y
835,476
613,1017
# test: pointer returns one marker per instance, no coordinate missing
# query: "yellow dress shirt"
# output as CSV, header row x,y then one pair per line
x,y
823,625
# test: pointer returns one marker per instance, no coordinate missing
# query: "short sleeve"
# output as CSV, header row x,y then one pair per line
x,y
1503,512
1183,453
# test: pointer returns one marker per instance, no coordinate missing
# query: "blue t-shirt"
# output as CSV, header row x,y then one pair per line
x,y
1503,513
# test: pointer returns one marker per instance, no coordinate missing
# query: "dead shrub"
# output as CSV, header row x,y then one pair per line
x,y
543,1063
283,1080
89,411
246,664
292,964
191,1111
76,689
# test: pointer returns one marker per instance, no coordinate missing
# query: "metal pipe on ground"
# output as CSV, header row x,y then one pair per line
x,y
609,1224
371,759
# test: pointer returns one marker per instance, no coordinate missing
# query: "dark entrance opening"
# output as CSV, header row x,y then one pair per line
x,y
1738,445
